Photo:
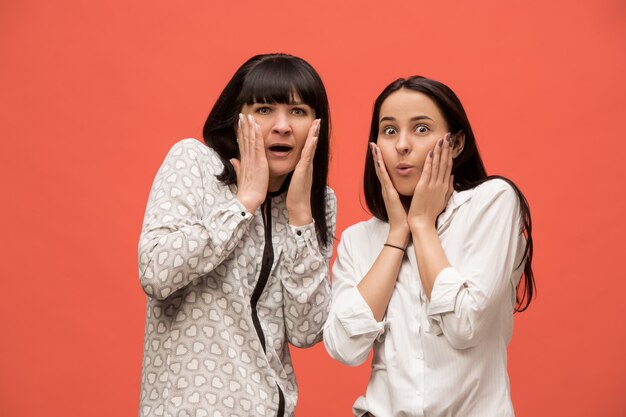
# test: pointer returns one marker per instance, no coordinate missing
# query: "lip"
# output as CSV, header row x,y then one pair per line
x,y
279,149
404,169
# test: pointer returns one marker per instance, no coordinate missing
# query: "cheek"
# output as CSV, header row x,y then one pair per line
x,y
301,132
266,128
387,152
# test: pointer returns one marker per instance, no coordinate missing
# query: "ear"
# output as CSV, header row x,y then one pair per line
x,y
459,143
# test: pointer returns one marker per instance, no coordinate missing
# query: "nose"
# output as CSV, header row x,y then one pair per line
x,y
403,146
281,124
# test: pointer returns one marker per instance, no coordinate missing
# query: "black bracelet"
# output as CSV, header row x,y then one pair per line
x,y
394,246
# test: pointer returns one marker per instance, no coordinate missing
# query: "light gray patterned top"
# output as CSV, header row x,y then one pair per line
x,y
200,257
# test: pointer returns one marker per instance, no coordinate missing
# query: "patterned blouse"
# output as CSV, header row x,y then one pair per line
x,y
226,290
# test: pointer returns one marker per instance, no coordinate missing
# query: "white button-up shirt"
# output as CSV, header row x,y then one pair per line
x,y
446,356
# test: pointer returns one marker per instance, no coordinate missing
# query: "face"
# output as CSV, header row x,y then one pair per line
x,y
410,125
285,128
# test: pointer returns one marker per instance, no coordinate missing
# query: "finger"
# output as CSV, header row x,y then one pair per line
x,y
375,160
436,161
384,175
240,135
236,165
450,159
444,162
259,143
308,150
314,141
251,135
427,169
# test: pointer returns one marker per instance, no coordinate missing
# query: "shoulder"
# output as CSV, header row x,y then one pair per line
x,y
193,152
495,189
364,231
495,194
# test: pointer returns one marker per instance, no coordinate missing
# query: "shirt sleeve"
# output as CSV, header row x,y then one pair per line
x,y
466,300
304,272
192,221
351,328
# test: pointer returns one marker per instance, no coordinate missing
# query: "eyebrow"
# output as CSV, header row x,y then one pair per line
x,y
413,119
291,103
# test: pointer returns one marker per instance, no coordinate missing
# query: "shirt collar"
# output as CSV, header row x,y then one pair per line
x,y
457,199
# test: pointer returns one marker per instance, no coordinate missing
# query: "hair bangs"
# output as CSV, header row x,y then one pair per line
x,y
279,81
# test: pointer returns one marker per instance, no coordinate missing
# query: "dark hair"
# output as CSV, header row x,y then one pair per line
x,y
273,78
468,168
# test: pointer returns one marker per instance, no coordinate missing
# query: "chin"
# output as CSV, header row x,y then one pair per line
x,y
280,172
403,188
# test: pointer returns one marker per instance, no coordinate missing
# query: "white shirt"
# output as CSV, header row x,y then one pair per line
x,y
446,357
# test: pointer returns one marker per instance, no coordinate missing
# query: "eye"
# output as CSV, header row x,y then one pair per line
x,y
422,129
297,111
263,110
388,130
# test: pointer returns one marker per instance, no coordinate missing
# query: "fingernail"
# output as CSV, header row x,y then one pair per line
x,y
440,143
240,120
250,119
430,154
317,128
451,141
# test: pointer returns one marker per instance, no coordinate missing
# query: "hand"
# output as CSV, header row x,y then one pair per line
x,y
398,226
435,186
252,170
299,193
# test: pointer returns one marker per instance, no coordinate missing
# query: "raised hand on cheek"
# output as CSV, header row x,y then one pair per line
x,y
252,169
299,193
435,185
398,226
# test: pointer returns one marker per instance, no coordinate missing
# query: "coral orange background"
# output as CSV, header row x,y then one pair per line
x,y
93,94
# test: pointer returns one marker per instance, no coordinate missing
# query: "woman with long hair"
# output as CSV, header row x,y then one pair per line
x,y
235,246
432,280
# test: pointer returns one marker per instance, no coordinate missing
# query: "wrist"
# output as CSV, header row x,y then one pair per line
x,y
300,217
421,224
251,203
398,237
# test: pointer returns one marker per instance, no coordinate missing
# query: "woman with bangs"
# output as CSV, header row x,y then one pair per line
x,y
234,249
432,280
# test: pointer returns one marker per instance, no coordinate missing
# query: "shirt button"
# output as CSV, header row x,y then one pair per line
x,y
243,214
299,232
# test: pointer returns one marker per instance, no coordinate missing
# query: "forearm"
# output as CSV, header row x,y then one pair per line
x,y
431,259
377,285
307,301
171,256
304,272
300,216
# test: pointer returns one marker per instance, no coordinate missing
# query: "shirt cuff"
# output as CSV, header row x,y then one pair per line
x,y
356,317
302,233
239,208
445,291
227,219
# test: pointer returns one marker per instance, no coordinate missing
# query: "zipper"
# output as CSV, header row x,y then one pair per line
x,y
266,269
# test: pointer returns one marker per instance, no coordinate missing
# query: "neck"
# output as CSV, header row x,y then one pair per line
x,y
275,183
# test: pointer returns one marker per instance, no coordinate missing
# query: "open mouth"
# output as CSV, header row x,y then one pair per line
x,y
280,148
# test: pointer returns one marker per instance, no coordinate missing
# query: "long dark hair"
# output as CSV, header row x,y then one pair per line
x,y
468,168
273,78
